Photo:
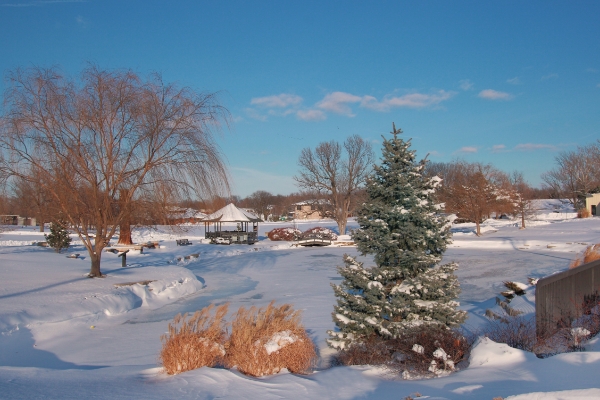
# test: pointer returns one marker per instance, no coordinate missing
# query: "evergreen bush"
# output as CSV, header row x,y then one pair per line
x,y
58,238
401,227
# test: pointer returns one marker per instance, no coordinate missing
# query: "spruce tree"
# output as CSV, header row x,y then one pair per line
x,y
58,238
400,227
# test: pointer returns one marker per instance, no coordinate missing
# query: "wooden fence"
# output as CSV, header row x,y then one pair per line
x,y
563,297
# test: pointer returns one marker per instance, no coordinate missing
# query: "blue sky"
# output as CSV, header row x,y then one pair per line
x,y
510,83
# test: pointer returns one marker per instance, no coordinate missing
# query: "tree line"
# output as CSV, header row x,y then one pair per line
x,y
111,149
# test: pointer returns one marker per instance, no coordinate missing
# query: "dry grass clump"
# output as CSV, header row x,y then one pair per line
x,y
286,234
263,341
591,253
195,342
583,213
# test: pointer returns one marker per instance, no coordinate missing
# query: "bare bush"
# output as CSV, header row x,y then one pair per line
x,y
430,350
374,350
264,341
195,342
583,213
419,351
515,331
322,233
286,234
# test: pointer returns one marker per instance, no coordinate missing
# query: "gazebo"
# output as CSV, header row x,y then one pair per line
x,y
231,214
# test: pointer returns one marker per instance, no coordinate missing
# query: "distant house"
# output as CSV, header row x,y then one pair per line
x,y
17,220
592,203
308,210
178,215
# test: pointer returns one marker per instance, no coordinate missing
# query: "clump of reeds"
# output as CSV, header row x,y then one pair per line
x,y
264,341
583,213
196,341
591,253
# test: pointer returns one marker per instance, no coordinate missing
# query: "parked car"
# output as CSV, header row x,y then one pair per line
x,y
221,240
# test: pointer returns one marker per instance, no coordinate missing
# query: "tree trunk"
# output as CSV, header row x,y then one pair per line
x,y
125,225
478,228
95,270
342,227
523,220
125,233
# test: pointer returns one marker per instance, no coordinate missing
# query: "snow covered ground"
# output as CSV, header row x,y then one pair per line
x,y
66,336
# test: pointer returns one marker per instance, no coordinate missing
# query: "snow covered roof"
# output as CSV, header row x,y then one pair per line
x,y
231,213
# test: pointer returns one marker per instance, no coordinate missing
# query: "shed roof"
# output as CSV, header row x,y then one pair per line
x,y
230,213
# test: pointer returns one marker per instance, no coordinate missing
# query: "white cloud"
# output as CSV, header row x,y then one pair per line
x,y
467,150
534,146
465,84
514,81
311,115
277,101
337,102
490,94
412,100
497,148
254,114
550,76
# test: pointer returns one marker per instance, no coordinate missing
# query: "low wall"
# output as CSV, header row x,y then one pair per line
x,y
561,298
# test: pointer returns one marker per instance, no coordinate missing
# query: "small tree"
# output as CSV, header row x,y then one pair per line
x,y
58,238
400,227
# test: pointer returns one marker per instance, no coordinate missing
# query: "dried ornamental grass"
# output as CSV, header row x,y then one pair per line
x,y
266,340
583,213
195,342
591,253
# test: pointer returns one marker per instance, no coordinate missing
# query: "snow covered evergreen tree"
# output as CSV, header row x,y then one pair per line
x,y
400,227
58,238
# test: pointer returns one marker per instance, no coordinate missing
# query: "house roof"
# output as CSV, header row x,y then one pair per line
x,y
231,213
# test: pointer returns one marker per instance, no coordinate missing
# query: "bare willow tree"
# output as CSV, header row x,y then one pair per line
x,y
336,172
106,140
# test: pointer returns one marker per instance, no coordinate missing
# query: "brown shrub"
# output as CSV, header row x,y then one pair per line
x,y
264,341
591,253
374,350
195,342
422,350
583,213
287,234
426,350
323,233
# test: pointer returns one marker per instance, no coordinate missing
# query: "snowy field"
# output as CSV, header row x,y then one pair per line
x,y
64,336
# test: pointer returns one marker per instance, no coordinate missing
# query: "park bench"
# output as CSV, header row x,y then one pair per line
x,y
182,242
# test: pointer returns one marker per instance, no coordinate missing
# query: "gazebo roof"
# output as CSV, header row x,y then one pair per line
x,y
231,213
